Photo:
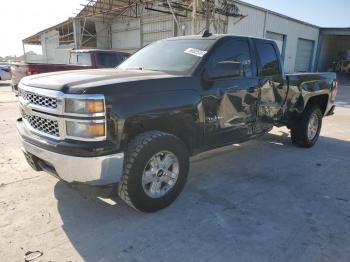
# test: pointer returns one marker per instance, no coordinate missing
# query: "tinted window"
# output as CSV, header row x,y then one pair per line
x,y
80,58
177,56
268,59
110,60
235,51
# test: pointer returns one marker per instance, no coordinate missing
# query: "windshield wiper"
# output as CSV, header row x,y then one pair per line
x,y
135,68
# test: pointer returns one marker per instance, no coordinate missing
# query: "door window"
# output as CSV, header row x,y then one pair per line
x,y
270,65
234,51
80,58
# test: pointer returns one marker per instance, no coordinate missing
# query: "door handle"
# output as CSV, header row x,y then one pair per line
x,y
251,89
233,88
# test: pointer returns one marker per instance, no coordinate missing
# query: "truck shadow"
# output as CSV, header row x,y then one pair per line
x,y
231,205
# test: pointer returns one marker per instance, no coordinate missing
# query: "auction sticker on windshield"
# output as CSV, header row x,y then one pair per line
x,y
195,51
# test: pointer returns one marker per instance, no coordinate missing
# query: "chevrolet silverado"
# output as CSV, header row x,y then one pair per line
x,y
136,126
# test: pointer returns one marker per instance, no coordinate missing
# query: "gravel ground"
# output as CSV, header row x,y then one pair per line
x,y
263,200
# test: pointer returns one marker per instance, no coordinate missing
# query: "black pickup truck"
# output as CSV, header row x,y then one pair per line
x,y
136,126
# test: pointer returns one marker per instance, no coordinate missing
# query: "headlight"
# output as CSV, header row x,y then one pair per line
x,y
85,130
84,106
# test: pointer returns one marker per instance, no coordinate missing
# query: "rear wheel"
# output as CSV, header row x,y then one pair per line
x,y
155,171
306,130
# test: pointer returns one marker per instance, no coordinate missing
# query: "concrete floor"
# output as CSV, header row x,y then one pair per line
x,y
264,200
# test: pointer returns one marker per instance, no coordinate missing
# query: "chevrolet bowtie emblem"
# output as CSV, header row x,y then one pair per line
x,y
26,108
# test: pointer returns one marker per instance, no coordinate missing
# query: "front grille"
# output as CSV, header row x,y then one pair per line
x,y
39,100
42,124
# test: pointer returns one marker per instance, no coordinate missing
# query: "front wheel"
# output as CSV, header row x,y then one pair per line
x,y
306,130
155,171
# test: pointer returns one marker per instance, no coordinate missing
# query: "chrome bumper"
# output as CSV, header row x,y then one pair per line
x,y
96,171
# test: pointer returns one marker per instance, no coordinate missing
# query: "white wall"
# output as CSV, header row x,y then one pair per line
x,y
53,53
126,34
252,25
130,34
258,22
293,30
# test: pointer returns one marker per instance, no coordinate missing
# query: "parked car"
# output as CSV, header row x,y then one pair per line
x,y
5,72
79,59
137,125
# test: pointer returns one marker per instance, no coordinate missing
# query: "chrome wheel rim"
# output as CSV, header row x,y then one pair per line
x,y
312,127
160,174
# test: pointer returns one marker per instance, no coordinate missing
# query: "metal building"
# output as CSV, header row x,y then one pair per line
x,y
128,25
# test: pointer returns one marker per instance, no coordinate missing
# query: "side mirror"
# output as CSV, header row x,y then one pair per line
x,y
224,69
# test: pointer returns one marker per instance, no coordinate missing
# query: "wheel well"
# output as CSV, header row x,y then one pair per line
x,y
139,128
321,101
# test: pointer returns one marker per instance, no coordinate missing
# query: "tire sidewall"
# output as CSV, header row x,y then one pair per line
x,y
137,194
314,110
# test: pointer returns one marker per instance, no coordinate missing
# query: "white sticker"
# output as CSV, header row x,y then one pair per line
x,y
195,51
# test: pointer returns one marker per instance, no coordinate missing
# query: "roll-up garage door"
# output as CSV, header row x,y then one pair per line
x,y
278,38
304,55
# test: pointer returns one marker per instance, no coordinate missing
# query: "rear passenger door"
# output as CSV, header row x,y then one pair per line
x,y
273,87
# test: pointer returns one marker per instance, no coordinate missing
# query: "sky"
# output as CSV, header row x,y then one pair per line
x,y
22,18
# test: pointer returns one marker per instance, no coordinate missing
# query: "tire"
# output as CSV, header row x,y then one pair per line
x,y
145,147
300,134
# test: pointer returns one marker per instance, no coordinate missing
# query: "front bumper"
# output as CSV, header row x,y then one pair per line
x,y
95,171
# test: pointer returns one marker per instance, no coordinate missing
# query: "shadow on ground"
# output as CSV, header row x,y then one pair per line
x,y
264,200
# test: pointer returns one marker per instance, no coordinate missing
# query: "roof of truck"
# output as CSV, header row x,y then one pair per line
x,y
211,37
98,50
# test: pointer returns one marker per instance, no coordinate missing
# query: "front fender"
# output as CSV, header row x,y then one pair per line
x,y
172,111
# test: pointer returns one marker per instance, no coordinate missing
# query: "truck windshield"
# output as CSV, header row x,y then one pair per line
x,y
80,58
177,56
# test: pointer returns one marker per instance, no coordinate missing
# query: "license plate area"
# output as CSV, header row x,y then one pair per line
x,y
33,161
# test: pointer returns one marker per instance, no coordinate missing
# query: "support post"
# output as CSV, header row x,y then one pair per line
x,y
77,33
194,17
24,52
141,29
207,15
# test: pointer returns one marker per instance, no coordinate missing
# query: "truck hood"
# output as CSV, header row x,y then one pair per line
x,y
78,81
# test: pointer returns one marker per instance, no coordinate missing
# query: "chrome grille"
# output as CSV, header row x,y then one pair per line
x,y
39,100
42,124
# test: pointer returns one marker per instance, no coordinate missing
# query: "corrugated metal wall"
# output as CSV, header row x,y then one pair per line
x,y
156,26
126,33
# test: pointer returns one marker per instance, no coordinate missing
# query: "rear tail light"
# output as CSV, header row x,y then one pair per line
x,y
30,71
335,88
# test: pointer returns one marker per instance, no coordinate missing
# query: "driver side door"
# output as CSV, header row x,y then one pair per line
x,y
230,103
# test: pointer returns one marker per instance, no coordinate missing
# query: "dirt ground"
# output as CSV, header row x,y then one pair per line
x,y
264,200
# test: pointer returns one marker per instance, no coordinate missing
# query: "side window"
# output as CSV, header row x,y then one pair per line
x,y
107,60
268,59
236,51
122,57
